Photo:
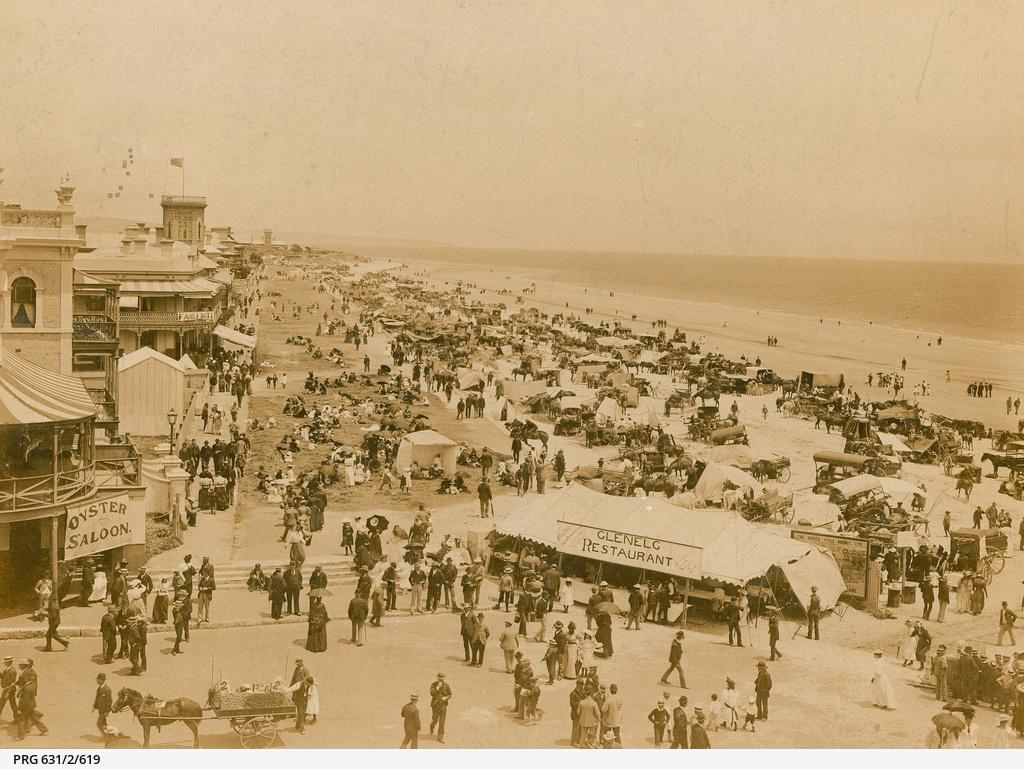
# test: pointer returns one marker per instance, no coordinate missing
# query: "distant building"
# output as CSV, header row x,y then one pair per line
x,y
184,218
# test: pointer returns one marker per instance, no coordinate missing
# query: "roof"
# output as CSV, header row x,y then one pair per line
x,y
85,279
195,287
30,394
148,353
858,484
734,550
428,438
223,276
235,337
840,457
736,455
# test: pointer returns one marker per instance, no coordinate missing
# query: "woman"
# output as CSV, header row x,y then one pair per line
x,y
162,593
881,687
604,635
587,646
347,535
313,701
978,594
963,592
44,588
316,636
572,653
297,546
907,647
350,471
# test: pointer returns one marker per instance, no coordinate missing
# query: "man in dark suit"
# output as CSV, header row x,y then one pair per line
x,y
277,593
108,630
732,616
440,694
9,685
186,610
102,703
467,628
680,725
293,587
28,689
411,722
88,581
137,639
147,585
675,659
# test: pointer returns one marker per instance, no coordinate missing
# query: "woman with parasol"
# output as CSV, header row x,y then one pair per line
x,y
946,733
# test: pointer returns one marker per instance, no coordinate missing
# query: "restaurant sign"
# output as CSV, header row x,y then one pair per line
x,y
97,526
630,549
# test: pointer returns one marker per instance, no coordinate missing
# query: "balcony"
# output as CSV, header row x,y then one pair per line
x,y
142,320
106,407
94,329
117,465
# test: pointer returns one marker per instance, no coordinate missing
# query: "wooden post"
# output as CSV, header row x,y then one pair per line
x,y
686,599
54,530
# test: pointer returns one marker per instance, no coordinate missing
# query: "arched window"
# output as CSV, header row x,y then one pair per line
x,y
23,303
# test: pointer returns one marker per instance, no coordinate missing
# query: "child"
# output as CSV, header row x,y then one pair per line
x,y
531,695
567,596
751,714
714,713
730,704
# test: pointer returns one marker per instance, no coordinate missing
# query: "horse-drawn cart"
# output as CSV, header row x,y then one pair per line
x,y
253,714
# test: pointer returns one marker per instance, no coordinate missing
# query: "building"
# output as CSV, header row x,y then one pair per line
x,y
184,218
151,384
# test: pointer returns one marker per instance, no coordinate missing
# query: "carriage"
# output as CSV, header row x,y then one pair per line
x,y
831,466
770,507
729,436
775,469
254,713
860,498
965,549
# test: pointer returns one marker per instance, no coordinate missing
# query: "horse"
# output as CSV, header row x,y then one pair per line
x,y
966,485
527,431
152,712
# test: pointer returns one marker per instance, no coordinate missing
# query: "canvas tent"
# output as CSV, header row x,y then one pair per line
x,y
736,455
422,447
711,484
733,550
232,338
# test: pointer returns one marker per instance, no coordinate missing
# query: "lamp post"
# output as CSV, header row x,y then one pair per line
x,y
172,420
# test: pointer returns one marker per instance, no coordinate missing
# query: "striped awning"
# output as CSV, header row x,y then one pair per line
x,y
30,394
194,287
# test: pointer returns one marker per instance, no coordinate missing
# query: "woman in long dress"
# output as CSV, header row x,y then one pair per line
x,y
350,471
963,592
316,636
160,600
297,546
906,651
881,687
313,702
587,646
572,653
978,595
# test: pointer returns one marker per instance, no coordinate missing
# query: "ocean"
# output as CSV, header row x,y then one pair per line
x,y
979,301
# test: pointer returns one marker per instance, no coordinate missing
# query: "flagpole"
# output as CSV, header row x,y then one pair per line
x,y
183,177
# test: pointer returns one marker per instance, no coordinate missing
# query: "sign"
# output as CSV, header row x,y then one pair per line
x,y
97,526
628,549
851,554
195,315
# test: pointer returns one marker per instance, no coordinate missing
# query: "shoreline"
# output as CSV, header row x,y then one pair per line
x,y
854,348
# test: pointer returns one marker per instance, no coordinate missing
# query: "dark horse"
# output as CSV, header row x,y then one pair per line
x,y
152,712
527,431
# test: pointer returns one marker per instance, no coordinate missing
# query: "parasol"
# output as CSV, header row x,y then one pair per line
x,y
377,523
948,721
320,592
607,607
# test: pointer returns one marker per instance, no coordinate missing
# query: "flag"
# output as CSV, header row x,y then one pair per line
x,y
179,162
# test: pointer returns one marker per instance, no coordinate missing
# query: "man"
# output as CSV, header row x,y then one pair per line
x,y
660,718
435,583
480,635
927,597
698,734
813,614
440,694
411,722
943,598
636,605
88,581
589,720
680,725
940,672
773,635
277,593
28,690
358,610
1006,620
450,571
390,580
486,462
102,703
180,621
592,602
611,715
53,623
675,658
467,628
476,577
138,632
147,585
733,616
947,522
417,577
186,613
364,585
293,587
8,687
509,643
205,587
540,609
300,696
483,492
119,588
108,631
762,689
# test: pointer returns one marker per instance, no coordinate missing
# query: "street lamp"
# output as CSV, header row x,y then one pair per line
x,y
172,420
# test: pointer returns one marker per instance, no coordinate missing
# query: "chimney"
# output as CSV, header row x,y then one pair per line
x,y
80,231
125,246
166,248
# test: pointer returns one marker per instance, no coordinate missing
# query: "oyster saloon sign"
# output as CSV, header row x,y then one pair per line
x,y
97,526
630,549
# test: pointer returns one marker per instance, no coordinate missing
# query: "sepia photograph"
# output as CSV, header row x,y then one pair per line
x,y
510,375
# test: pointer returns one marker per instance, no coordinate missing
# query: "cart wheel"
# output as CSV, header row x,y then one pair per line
x,y
785,515
258,733
997,560
785,475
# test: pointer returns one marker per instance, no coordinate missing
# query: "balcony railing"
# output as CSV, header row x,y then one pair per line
x,y
61,488
135,319
94,327
117,464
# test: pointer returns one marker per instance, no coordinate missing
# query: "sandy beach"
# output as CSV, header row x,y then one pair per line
x,y
854,349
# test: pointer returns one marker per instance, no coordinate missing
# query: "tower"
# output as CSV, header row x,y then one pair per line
x,y
184,218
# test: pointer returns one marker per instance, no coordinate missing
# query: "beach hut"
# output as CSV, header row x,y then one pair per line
x,y
422,447
149,385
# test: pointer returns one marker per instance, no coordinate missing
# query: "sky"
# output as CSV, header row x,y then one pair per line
x,y
819,129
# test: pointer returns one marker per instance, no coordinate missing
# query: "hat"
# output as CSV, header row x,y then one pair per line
x,y
507,570
941,648
603,583
8,659
477,560
508,622
661,702
698,711
751,700
414,696
364,568
440,675
729,680
680,634
968,650
558,623
762,664
1002,719
878,652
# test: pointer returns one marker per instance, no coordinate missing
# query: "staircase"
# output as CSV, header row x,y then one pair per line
x,y
234,576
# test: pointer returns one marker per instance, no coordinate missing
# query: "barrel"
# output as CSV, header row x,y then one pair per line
x,y
895,596
910,593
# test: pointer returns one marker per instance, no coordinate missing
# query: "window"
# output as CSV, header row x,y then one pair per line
x,y
23,303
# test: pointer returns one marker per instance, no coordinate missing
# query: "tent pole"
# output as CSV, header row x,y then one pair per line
x,y
686,600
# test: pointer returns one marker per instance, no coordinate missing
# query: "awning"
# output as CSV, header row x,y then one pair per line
x,y
194,287
223,276
235,337
30,394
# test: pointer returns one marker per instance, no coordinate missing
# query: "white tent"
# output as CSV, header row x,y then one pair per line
x,y
733,550
816,569
234,338
609,409
423,447
897,444
469,378
710,485
736,455
814,508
